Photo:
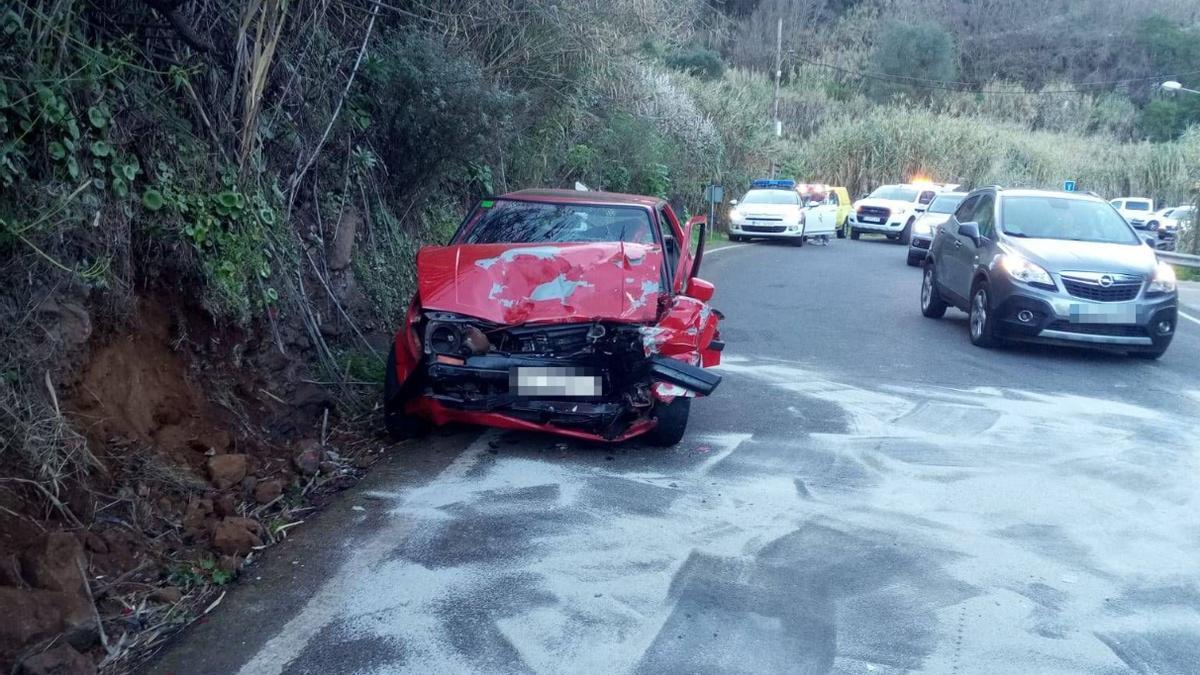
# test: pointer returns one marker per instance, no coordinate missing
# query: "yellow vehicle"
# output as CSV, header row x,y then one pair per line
x,y
826,203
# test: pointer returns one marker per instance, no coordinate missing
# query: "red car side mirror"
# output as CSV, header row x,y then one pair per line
x,y
699,289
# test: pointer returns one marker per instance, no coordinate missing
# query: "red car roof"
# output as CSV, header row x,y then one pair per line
x,y
582,197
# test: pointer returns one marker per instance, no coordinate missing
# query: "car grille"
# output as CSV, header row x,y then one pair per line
x,y
874,212
774,219
1123,288
764,229
1106,329
920,243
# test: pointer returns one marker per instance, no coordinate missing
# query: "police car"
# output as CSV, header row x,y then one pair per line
x,y
771,209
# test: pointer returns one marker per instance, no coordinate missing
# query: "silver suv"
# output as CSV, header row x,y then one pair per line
x,y
1053,267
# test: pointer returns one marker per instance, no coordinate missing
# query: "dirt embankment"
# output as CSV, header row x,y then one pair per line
x,y
205,444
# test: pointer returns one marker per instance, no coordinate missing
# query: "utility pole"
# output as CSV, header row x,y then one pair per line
x,y
778,79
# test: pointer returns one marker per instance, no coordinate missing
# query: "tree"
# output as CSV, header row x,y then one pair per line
x,y
916,51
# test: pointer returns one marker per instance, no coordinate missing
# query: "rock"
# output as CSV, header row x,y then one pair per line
x,y
342,249
56,563
168,595
197,512
309,454
230,563
34,615
95,543
268,491
227,470
74,323
10,571
237,536
225,505
220,441
61,660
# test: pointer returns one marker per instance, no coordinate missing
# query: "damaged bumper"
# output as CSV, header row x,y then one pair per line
x,y
596,381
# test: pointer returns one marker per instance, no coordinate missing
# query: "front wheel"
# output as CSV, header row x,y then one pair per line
x,y
672,422
400,425
932,305
906,233
798,241
981,324
854,234
914,261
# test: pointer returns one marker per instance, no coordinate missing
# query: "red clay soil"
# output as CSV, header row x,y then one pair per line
x,y
188,475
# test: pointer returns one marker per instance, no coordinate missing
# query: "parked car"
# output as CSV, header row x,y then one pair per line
x,y
1136,210
771,209
1168,224
578,313
1050,267
892,210
834,200
926,226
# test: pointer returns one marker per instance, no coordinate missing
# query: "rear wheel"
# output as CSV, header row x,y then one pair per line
x,y
400,425
981,325
672,422
932,305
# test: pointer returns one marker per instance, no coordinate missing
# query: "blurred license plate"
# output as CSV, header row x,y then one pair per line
x,y
554,381
867,219
1098,314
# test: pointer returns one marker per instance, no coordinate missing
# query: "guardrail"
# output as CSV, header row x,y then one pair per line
x,y
1181,259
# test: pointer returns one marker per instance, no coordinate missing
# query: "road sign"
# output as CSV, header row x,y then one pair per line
x,y
1068,186
714,193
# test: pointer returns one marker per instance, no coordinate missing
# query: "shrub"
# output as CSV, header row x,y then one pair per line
x,y
921,51
699,61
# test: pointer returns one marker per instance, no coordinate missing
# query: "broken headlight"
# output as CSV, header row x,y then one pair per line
x,y
451,335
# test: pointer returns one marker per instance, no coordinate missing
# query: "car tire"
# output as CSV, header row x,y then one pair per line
x,y
672,422
932,305
798,241
841,232
914,261
854,234
981,325
906,233
400,425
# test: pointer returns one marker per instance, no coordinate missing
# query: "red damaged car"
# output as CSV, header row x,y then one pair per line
x,y
577,313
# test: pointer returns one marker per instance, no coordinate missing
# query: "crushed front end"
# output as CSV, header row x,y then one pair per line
x,y
596,380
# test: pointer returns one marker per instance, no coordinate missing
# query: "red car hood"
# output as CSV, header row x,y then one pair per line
x,y
552,283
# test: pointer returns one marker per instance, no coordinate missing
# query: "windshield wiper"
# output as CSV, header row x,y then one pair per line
x,y
1017,234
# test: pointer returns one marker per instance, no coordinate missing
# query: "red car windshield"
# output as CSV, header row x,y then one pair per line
x,y
508,221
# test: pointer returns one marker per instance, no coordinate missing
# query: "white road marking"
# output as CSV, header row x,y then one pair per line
x,y
1186,316
724,248
329,603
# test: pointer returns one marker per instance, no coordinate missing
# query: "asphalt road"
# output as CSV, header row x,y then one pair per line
x,y
866,492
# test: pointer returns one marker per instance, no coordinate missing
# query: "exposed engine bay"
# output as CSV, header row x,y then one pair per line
x,y
598,376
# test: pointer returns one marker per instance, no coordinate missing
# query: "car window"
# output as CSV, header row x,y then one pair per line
x,y
1137,206
1116,203
945,203
510,221
966,210
927,196
670,243
785,197
985,216
1046,217
900,193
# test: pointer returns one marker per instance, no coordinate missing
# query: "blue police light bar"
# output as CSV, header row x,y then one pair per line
x,y
772,184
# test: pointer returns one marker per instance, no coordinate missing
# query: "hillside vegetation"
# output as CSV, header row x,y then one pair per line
x,y
209,212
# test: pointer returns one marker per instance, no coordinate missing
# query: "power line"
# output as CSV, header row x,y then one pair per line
x,y
976,87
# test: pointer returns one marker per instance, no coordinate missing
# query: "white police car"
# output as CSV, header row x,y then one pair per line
x,y
771,209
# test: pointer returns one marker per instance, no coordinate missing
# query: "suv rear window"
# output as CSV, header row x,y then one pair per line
x,y
1064,218
508,221
1137,206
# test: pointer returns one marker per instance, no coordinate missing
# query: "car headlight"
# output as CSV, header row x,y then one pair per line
x,y
734,214
1163,281
1022,270
922,227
